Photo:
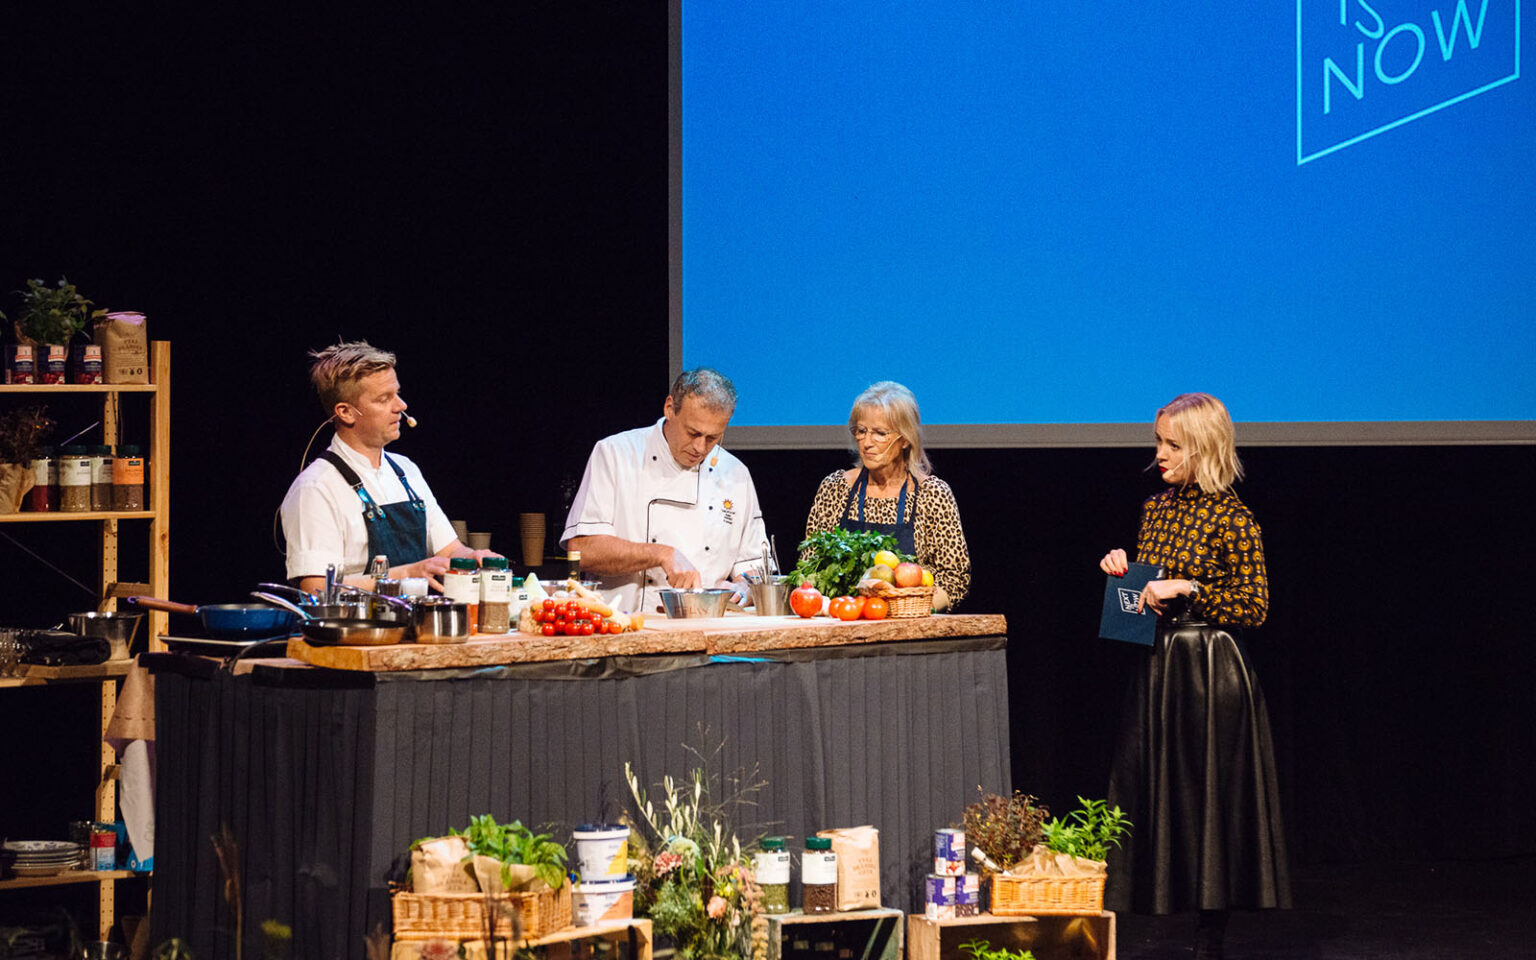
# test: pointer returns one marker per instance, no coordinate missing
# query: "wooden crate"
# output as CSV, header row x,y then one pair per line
x,y
1049,938
632,935
871,934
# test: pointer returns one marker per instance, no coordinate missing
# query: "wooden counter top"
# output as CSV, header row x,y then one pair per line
x,y
736,634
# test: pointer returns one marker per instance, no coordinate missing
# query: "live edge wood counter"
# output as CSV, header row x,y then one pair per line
x,y
710,637
325,772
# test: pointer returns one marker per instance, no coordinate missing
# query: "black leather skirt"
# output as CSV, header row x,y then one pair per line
x,y
1195,772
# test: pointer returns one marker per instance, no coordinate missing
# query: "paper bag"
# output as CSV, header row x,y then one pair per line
x,y
437,866
858,866
124,341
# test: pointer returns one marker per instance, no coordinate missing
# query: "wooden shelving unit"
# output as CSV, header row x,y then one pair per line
x,y
157,477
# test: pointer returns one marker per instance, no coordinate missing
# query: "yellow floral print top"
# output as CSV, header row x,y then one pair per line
x,y
1211,538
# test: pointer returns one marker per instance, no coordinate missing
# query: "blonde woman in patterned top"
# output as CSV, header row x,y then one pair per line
x,y
1195,767
892,489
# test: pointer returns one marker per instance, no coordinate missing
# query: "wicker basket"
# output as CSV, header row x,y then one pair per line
x,y
456,916
909,601
1046,896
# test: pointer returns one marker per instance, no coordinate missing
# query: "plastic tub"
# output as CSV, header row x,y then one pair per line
x,y
602,851
604,901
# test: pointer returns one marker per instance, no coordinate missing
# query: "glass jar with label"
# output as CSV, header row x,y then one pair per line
x,y
44,495
495,595
127,479
818,876
74,480
462,584
101,477
773,875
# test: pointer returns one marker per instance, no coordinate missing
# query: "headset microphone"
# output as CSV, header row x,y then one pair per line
x,y
410,421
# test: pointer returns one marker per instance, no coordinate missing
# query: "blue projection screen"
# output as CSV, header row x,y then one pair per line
x,y
1049,219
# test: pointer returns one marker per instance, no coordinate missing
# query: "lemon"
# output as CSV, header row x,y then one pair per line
x,y
927,579
888,558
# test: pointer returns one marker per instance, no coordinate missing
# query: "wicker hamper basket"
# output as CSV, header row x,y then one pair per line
x,y
909,601
1046,896
456,916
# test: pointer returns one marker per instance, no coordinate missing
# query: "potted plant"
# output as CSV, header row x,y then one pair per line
x,y
1089,831
1066,872
48,319
21,433
1006,829
522,859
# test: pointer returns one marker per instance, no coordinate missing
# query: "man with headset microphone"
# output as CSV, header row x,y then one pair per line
x,y
665,505
355,502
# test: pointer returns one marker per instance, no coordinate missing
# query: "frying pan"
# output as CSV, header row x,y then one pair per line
x,y
342,631
228,621
310,606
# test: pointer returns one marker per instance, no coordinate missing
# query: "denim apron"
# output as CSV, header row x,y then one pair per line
x,y
905,527
395,530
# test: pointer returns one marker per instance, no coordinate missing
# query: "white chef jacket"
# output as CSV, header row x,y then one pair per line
x,y
634,490
323,516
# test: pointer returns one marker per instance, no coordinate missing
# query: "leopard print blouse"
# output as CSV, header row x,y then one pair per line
x,y
937,534
1214,539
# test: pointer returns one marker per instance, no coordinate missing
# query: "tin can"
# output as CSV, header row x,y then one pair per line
x,y
103,846
948,868
939,890
949,844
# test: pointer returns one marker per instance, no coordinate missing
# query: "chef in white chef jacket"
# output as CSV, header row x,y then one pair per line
x,y
666,505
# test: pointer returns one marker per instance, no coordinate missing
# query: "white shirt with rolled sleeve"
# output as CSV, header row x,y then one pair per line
x,y
634,490
323,517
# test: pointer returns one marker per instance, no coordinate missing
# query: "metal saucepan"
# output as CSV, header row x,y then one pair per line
x,y
440,620
346,605
342,631
228,621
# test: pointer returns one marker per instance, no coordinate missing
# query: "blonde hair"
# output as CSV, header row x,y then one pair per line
x,y
899,406
1210,442
337,371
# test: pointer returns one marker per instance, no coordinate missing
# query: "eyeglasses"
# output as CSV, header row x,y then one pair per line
x,y
879,436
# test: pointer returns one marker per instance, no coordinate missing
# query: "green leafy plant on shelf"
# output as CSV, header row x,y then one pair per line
x,y
513,843
1006,829
979,949
53,314
1089,831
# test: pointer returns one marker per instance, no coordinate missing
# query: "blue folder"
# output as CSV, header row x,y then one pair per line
x,y
1120,621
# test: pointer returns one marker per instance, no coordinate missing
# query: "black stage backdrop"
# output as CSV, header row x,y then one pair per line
x,y
483,189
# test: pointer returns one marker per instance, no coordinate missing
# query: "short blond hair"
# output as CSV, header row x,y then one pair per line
x,y
899,406
338,370
1210,441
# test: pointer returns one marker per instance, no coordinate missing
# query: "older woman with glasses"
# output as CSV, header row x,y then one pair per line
x,y
892,490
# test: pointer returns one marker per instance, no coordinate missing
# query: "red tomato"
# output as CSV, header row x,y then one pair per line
x,y
548,630
876,608
844,608
805,600
548,604
588,629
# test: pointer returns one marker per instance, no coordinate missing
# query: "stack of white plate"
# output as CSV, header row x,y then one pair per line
x,y
42,858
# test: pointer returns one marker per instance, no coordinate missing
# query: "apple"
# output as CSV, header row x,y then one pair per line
x,y
909,575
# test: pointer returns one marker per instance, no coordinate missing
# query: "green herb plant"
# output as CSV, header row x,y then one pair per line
x,y
54,314
514,843
1089,831
834,560
983,950
1005,828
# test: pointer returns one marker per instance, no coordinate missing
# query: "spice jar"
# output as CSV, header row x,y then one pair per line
x,y
818,876
101,477
74,480
44,495
128,479
462,584
773,875
495,595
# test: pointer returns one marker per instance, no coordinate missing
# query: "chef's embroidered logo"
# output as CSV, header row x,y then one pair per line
x,y
1128,600
727,511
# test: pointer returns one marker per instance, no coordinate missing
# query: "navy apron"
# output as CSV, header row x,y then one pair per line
x,y
904,529
396,530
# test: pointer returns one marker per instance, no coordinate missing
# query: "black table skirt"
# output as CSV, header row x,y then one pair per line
x,y
325,778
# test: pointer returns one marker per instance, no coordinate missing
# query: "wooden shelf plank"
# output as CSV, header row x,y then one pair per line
x,y
77,388
37,675
68,876
55,516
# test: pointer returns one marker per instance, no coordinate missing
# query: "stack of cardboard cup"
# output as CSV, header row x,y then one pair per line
x,y
532,525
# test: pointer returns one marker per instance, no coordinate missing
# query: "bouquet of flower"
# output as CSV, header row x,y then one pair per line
x,y
691,876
